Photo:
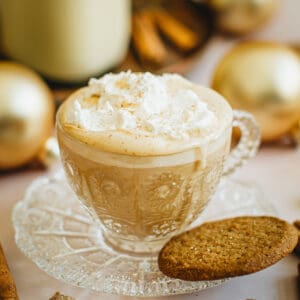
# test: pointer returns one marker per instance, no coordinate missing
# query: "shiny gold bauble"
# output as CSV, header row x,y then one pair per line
x,y
263,78
49,153
26,114
242,16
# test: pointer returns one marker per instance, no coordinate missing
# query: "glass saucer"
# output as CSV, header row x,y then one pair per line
x,y
55,231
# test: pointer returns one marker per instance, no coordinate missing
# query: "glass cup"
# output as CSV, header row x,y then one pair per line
x,y
140,202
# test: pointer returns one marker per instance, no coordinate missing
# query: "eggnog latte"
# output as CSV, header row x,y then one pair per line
x,y
144,153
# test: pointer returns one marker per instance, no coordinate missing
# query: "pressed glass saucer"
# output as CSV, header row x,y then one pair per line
x,y
55,231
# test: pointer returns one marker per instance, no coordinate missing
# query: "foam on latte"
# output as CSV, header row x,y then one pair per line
x,y
145,114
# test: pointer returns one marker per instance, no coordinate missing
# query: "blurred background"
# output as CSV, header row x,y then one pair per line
x,y
249,51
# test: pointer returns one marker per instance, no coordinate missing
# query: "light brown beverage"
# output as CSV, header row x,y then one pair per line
x,y
142,188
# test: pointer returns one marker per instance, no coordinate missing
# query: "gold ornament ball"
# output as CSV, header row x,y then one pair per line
x,y
263,78
26,114
242,16
49,153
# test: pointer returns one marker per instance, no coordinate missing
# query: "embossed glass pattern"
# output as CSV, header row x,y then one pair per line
x,y
141,202
58,234
141,207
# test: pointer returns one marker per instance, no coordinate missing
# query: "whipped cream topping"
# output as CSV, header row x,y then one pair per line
x,y
144,104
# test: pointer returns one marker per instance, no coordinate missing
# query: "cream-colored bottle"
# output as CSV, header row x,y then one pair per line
x,y
66,40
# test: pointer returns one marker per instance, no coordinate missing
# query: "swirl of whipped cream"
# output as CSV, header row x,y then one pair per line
x,y
165,107
143,103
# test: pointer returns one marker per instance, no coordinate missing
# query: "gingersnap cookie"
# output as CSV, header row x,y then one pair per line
x,y
227,248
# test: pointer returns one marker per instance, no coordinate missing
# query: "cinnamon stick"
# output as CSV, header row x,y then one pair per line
x,y
146,40
297,248
297,224
8,289
178,33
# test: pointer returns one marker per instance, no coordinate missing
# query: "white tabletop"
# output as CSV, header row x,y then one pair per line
x,y
274,169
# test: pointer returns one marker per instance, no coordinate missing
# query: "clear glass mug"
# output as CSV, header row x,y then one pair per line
x,y
140,202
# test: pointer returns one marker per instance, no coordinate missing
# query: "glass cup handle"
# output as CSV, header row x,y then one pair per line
x,y
248,144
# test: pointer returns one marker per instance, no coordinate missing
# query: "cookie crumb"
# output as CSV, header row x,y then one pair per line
x,y
59,296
